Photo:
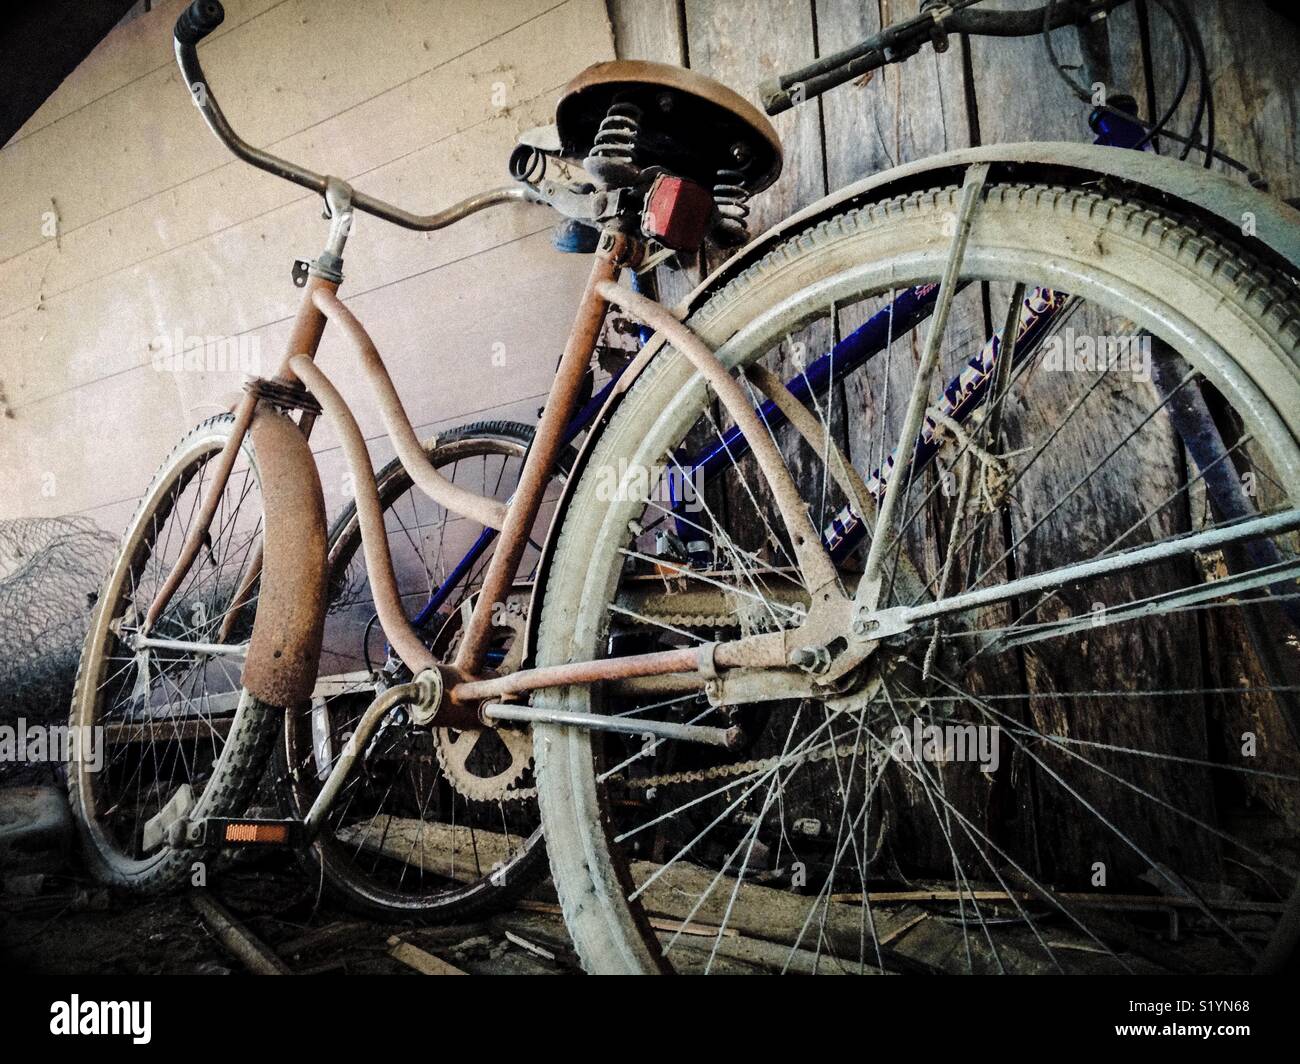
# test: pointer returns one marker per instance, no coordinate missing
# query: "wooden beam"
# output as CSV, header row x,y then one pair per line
x,y
421,960
452,852
256,956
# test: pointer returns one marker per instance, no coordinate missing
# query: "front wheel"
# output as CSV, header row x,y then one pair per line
x,y
163,733
1050,776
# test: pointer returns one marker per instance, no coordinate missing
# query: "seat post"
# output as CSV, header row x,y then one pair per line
x,y
561,402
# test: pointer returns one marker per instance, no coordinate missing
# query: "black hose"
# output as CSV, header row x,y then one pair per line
x,y
1184,78
1148,63
1194,50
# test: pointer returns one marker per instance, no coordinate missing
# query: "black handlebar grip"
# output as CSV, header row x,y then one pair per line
x,y
774,97
198,20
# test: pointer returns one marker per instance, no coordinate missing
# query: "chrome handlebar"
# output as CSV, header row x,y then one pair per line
x,y
187,58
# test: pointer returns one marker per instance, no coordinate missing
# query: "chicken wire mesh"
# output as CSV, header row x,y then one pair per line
x,y
50,570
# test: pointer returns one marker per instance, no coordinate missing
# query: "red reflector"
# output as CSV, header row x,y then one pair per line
x,y
270,833
677,212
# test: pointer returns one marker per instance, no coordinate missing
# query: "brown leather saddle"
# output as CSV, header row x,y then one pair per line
x,y
642,114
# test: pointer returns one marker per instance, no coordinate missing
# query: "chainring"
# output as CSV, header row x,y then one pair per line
x,y
455,749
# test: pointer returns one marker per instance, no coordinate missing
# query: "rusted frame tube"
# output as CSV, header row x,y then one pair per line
x,y
767,650
469,504
804,423
308,327
814,563
662,686
659,663
533,478
374,537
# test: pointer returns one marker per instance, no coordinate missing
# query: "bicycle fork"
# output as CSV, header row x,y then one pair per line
x,y
282,654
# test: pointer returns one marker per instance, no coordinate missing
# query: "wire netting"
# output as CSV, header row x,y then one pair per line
x,y
50,570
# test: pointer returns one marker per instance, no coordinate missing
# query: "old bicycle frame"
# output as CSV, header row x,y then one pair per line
x,y
281,657
846,532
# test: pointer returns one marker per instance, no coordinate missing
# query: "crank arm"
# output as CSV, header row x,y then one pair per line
x,y
423,691
194,833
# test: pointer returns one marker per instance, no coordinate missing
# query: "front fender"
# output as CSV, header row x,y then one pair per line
x,y
284,651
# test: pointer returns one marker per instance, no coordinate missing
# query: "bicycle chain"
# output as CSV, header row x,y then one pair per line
x,y
748,768
739,768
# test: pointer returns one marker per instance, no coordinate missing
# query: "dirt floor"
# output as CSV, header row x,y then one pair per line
x,y
73,927
262,913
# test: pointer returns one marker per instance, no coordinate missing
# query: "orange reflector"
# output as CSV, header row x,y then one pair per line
x,y
271,833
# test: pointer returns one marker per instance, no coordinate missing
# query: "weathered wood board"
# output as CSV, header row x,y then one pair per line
x,y
986,90
132,230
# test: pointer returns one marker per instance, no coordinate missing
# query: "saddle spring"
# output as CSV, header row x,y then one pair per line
x,y
528,164
612,159
618,133
732,202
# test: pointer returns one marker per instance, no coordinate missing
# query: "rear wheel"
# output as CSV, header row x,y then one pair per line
x,y
1145,761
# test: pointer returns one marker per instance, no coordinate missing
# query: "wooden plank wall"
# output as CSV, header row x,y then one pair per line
x,y
989,90
127,225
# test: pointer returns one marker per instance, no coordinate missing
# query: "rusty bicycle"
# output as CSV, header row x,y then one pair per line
x,y
684,627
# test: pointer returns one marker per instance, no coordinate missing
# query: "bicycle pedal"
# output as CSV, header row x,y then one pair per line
x,y
246,832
